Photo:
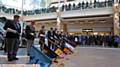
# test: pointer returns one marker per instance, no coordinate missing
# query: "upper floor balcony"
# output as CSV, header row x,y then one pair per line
x,y
69,10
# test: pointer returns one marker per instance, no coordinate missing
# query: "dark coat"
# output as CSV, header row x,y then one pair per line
x,y
30,29
15,26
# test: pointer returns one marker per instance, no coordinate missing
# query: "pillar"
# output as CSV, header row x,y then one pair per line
x,y
58,19
116,27
65,28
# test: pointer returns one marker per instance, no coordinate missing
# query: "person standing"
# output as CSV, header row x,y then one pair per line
x,y
30,36
50,38
41,36
116,41
13,30
2,40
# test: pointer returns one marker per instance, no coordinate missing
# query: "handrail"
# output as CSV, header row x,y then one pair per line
x,y
53,9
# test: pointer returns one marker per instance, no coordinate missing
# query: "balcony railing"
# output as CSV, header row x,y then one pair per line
x,y
69,7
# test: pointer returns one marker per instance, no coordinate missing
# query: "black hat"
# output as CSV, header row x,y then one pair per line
x,y
16,16
51,28
43,26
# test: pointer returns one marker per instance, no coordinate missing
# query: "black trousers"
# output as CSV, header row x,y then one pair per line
x,y
116,45
12,45
51,44
42,43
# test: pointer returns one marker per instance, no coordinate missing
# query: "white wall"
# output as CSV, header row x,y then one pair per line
x,y
97,27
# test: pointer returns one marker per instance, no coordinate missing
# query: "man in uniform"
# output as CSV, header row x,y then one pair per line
x,y
13,30
50,38
41,36
30,35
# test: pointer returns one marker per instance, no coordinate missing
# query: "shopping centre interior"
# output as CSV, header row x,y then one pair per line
x,y
96,20
76,17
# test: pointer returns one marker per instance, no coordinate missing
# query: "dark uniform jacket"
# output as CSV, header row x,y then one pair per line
x,y
41,38
50,35
12,25
30,29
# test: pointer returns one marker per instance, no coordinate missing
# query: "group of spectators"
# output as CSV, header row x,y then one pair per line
x,y
64,7
54,37
99,40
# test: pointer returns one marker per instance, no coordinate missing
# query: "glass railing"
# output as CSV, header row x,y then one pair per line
x,y
5,9
69,7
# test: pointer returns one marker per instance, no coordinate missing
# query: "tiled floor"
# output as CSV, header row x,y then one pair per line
x,y
94,57
22,55
91,57
82,57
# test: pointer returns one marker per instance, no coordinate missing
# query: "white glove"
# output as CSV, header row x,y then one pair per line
x,y
14,31
51,37
42,35
32,34
11,30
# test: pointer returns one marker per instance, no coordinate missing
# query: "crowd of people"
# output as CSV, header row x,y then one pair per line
x,y
99,40
64,7
54,38
13,32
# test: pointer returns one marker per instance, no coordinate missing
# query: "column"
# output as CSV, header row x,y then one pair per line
x,y
116,22
65,27
58,20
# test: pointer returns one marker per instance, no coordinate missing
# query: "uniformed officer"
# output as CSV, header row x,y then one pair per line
x,y
41,36
13,30
50,37
30,36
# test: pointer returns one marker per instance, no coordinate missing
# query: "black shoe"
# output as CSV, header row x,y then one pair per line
x,y
1,48
15,58
28,54
10,59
